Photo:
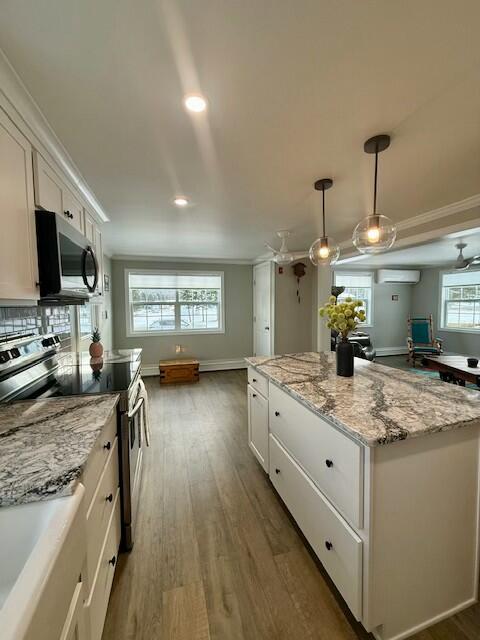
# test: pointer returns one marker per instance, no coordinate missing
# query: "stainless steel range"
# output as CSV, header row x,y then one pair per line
x,y
32,367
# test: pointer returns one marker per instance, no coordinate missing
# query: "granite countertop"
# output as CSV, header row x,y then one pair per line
x,y
379,404
44,445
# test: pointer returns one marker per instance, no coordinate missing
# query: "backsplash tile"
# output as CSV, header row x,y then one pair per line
x,y
27,320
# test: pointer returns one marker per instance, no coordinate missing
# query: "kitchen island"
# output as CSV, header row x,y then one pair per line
x,y
381,473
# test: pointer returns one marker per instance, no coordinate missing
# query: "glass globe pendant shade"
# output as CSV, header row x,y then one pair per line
x,y
374,234
324,251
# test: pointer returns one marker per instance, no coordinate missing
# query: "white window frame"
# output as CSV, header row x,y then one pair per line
x,y
441,307
368,324
128,308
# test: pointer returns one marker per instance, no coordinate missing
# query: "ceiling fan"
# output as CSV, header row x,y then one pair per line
x,y
462,263
283,256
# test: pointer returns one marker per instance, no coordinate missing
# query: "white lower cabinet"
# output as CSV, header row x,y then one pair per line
x,y
75,627
338,547
258,426
395,526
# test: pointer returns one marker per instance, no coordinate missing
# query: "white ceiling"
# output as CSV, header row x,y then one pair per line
x,y
440,253
294,90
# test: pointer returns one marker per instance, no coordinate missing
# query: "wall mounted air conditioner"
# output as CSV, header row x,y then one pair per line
x,y
398,276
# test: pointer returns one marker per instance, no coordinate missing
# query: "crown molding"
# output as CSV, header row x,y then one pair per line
x,y
27,116
429,216
194,260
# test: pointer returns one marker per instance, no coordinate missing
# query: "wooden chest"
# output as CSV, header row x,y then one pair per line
x,y
178,371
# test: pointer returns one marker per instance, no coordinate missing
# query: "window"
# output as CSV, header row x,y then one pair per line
x,y
460,301
357,286
169,302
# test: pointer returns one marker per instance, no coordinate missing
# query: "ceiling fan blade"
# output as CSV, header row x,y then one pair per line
x,y
298,255
271,248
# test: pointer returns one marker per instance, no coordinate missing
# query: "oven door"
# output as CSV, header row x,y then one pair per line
x,y
131,470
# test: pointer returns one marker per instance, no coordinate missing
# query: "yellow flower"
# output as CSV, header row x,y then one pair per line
x,y
351,322
348,312
321,312
342,326
341,316
359,303
332,299
348,299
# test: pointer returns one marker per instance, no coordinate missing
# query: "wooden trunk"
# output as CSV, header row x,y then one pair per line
x,y
178,371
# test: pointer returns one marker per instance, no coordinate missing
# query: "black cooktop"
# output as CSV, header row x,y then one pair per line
x,y
110,377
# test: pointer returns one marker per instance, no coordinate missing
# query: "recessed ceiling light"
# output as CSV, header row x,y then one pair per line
x,y
180,201
195,103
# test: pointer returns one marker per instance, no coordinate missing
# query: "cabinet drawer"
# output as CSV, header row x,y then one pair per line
x,y
100,510
258,426
98,458
97,603
331,459
258,381
335,543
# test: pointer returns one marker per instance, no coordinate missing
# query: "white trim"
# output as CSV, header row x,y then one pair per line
x,y
163,258
391,351
130,333
429,216
24,112
272,306
427,623
440,328
223,364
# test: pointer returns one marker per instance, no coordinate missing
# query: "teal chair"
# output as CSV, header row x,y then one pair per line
x,y
420,339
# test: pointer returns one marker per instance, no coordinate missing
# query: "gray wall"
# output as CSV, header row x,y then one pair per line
x,y
293,319
426,300
390,316
235,343
107,322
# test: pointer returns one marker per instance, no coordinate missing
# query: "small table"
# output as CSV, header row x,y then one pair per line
x,y
453,369
179,371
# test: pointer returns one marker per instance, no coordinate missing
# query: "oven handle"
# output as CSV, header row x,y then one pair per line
x,y
136,408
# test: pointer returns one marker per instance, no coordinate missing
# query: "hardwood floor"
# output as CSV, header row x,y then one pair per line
x,y
216,555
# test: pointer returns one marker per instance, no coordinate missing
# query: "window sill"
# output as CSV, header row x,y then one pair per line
x,y
451,330
156,334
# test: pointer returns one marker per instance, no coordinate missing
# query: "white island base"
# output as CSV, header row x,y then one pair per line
x,y
396,526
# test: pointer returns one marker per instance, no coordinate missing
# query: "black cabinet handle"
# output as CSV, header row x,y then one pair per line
x,y
112,561
329,463
68,214
254,395
254,379
329,545
107,445
277,471
109,498
277,413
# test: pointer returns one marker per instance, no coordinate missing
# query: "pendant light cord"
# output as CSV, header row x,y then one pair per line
x,y
323,209
375,183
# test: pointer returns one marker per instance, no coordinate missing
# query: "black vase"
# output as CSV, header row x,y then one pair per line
x,y
344,358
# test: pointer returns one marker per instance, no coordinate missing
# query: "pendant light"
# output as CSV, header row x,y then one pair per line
x,y
375,233
324,250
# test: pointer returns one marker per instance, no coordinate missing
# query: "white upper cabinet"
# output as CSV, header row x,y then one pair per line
x,y
73,209
18,257
52,194
89,225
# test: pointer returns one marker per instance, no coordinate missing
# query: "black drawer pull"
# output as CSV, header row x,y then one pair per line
x,y
254,379
277,471
329,545
254,395
107,445
277,413
329,463
112,561
109,498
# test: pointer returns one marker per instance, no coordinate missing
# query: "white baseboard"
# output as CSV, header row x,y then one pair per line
x,y
391,351
205,365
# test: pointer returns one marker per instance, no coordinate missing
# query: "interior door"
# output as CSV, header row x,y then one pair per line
x,y
263,309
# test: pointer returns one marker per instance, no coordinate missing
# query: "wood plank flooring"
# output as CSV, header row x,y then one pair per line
x,y
216,555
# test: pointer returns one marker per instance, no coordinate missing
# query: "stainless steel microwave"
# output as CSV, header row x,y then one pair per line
x,y
67,265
